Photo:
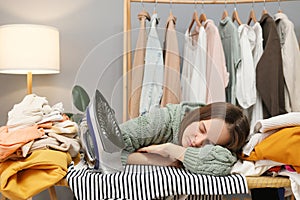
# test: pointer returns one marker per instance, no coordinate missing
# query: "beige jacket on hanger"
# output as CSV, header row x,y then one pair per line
x,y
290,61
172,89
137,72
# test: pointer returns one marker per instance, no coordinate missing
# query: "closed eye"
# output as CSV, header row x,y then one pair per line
x,y
202,127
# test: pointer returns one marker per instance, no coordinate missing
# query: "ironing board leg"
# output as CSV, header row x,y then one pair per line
x,y
52,193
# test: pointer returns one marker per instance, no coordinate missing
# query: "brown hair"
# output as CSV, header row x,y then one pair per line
x,y
237,122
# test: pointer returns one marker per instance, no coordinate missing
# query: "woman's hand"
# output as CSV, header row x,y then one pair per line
x,y
168,150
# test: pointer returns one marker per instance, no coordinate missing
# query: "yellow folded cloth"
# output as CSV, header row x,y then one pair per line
x,y
27,177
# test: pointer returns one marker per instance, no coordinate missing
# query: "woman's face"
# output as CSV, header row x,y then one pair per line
x,y
211,131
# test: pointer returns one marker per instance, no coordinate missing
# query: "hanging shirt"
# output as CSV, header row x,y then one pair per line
x,y
187,66
216,73
172,89
257,51
193,79
198,79
290,61
269,72
245,74
137,71
154,71
231,45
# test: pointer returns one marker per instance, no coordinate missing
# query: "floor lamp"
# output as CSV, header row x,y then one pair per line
x,y
29,49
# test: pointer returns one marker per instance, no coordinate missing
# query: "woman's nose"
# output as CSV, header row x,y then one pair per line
x,y
197,142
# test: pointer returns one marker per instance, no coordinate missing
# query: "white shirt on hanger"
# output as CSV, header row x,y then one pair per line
x,y
198,79
187,66
257,51
193,79
290,61
245,74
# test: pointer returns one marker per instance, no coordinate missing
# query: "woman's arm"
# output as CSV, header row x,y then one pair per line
x,y
151,159
210,159
167,150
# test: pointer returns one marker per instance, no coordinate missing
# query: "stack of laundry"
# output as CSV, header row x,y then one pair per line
x,y
273,149
36,147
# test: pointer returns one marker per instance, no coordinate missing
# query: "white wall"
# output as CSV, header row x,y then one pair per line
x,y
91,45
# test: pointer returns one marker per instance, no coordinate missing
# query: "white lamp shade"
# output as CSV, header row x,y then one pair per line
x,y
29,48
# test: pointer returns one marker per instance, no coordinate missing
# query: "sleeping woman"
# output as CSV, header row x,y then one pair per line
x,y
202,139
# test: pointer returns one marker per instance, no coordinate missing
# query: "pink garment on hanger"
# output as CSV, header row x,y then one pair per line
x,y
217,76
137,72
172,88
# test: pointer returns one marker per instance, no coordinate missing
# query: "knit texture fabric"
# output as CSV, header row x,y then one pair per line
x,y
155,127
210,159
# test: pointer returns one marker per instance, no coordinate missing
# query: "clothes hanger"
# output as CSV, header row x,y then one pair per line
x,y
225,13
143,6
155,5
194,19
202,17
235,15
279,7
171,13
264,10
148,17
252,16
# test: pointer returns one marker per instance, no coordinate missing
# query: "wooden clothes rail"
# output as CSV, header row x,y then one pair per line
x,y
203,1
127,57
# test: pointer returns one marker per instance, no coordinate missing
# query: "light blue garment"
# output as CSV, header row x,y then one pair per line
x,y
152,88
232,51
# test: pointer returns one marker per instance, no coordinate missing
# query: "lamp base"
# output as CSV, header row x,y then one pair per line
x,y
29,83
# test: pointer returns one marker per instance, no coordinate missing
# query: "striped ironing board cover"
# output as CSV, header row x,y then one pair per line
x,y
151,182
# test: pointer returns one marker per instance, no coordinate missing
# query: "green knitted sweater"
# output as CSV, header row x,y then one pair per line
x,y
161,126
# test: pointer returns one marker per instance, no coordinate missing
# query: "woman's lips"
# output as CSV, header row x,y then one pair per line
x,y
189,142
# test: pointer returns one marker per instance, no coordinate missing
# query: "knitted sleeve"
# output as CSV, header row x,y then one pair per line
x,y
210,160
159,126
152,128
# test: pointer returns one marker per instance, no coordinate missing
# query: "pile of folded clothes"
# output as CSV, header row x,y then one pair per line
x,y
37,145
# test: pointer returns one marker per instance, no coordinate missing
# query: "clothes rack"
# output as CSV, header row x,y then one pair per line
x,y
252,182
127,57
